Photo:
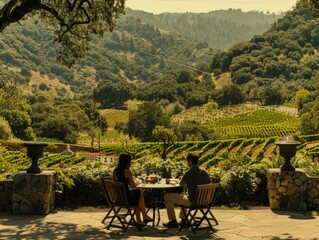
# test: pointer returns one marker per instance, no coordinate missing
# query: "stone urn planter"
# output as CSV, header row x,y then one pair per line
x,y
34,151
287,149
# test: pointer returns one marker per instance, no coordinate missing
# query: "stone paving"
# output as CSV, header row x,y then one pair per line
x,y
256,223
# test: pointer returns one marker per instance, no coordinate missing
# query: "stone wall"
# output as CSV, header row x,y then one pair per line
x,y
292,190
313,192
5,195
33,193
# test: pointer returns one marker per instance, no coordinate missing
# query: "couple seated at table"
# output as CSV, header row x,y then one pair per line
x,y
193,177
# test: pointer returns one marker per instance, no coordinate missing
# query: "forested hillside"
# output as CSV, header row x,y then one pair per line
x,y
135,51
220,29
275,65
141,47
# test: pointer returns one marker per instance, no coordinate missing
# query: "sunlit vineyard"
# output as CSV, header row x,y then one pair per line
x,y
251,150
211,152
16,160
259,123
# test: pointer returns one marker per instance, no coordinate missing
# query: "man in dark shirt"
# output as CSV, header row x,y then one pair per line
x,y
193,177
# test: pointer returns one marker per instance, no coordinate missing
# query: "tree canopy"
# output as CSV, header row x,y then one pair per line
x,y
143,121
74,23
313,4
166,136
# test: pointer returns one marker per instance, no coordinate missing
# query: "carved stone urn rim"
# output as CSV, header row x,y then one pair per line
x,y
35,143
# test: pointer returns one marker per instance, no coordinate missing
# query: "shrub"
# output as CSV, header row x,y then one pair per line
x,y
260,195
238,185
239,181
77,188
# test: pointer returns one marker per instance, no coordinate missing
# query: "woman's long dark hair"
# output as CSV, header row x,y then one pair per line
x,y
124,162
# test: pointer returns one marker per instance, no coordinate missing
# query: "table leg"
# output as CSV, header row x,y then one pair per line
x,y
154,206
159,216
156,210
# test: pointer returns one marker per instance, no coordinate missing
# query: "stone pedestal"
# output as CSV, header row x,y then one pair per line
x,y
5,195
287,190
33,193
313,193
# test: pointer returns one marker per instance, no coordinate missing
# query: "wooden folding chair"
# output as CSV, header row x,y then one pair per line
x,y
204,200
116,198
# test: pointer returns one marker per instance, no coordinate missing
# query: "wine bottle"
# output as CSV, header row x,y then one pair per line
x,y
168,175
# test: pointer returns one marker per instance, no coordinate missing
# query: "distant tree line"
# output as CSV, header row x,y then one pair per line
x,y
219,29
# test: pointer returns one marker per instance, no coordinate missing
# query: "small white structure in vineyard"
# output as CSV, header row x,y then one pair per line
x,y
97,157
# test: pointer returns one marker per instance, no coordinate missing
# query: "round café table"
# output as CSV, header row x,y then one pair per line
x,y
157,194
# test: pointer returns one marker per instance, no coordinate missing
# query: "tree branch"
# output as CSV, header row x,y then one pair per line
x,y
15,10
54,13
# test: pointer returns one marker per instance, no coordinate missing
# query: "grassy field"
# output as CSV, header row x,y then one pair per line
x,y
113,116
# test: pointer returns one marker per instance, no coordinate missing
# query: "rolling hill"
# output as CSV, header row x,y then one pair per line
x,y
140,49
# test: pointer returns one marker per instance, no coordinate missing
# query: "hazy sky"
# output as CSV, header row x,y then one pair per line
x,y
160,6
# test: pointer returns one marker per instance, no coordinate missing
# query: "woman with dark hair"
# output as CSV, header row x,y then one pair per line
x,y
122,173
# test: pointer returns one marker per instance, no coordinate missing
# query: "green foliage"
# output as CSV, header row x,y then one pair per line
x,y
308,161
238,182
112,95
5,130
174,108
229,95
80,187
181,86
63,121
309,118
143,121
301,97
188,131
166,136
19,122
270,96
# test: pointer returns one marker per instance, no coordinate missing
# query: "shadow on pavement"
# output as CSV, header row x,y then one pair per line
x,y
163,233
296,215
35,227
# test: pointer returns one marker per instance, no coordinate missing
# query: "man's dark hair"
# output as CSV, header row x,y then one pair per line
x,y
193,157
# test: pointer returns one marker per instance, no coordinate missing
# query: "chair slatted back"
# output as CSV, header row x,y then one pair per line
x,y
115,193
205,194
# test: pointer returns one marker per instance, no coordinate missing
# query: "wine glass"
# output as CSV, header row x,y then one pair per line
x,y
173,173
143,174
159,176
